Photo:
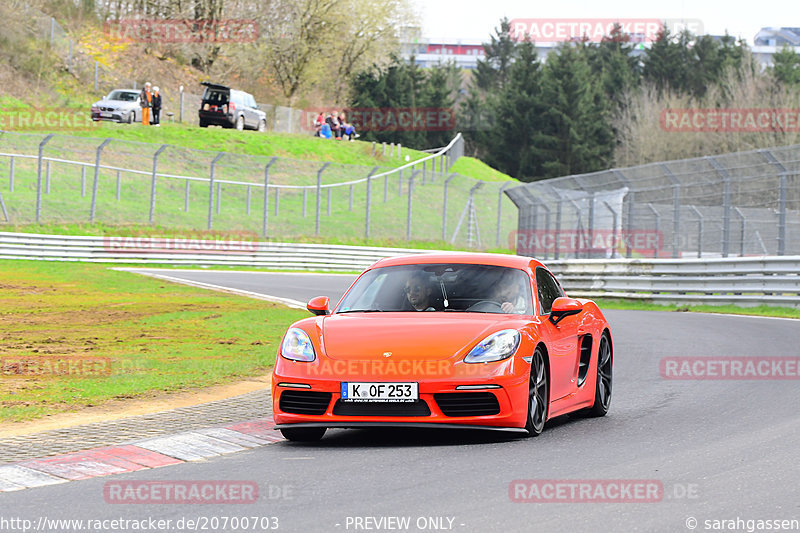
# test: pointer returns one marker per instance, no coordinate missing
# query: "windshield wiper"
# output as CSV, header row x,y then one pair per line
x,y
361,311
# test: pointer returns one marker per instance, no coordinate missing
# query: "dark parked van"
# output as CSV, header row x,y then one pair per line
x,y
229,108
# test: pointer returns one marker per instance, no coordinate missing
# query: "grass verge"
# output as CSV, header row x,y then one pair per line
x,y
74,335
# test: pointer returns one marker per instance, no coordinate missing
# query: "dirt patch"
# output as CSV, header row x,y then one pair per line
x,y
152,403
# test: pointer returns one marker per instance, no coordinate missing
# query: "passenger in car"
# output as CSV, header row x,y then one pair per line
x,y
419,291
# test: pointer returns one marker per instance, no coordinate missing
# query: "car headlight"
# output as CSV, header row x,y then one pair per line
x,y
495,347
297,346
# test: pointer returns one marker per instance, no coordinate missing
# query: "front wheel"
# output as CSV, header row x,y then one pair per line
x,y
262,126
538,399
303,434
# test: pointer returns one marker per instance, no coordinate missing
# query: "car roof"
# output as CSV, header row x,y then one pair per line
x,y
506,260
215,86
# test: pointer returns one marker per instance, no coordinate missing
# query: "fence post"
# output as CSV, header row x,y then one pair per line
x,y
266,197
499,210
631,200
3,206
119,184
219,196
247,210
547,214
39,177
781,200
726,204
96,183
424,172
277,200
153,182
410,201
11,176
658,225
557,250
676,209
699,230
180,111
613,229
186,198
305,198
369,201
444,206
329,200
47,180
319,196
211,190
399,147
350,203
741,229
83,181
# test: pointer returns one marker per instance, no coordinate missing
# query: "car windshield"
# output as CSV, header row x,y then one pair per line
x,y
122,96
440,287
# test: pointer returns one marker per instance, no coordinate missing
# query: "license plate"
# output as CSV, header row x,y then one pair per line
x,y
105,115
380,392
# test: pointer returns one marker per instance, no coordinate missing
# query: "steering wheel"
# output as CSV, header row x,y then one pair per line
x,y
486,306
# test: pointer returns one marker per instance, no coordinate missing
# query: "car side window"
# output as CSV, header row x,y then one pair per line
x,y
547,289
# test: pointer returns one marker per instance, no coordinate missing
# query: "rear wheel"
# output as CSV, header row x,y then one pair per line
x,y
240,123
303,434
203,124
537,395
602,389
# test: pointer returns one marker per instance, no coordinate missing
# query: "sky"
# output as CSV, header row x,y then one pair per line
x,y
476,19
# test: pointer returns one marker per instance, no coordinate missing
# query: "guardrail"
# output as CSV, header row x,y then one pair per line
x,y
147,250
740,281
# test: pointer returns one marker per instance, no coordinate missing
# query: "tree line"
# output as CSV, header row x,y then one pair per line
x,y
589,106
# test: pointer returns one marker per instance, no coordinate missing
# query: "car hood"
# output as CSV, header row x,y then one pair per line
x,y
406,336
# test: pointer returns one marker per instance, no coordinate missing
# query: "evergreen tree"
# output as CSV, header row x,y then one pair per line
x,y
786,67
578,137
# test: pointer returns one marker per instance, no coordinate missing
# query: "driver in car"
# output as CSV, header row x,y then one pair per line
x,y
419,292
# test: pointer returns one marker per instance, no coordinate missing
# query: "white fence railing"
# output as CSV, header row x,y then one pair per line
x,y
742,281
765,280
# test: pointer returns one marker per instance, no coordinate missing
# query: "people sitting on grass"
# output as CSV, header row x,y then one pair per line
x,y
334,125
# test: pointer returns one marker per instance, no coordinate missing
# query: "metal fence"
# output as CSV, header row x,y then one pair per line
x,y
738,204
53,179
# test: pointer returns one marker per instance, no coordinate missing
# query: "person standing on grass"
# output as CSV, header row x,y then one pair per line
x,y
156,108
146,101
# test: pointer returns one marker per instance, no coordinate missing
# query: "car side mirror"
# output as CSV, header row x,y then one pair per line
x,y
319,305
564,307
104,97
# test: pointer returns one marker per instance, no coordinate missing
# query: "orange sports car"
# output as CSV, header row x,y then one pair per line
x,y
457,340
